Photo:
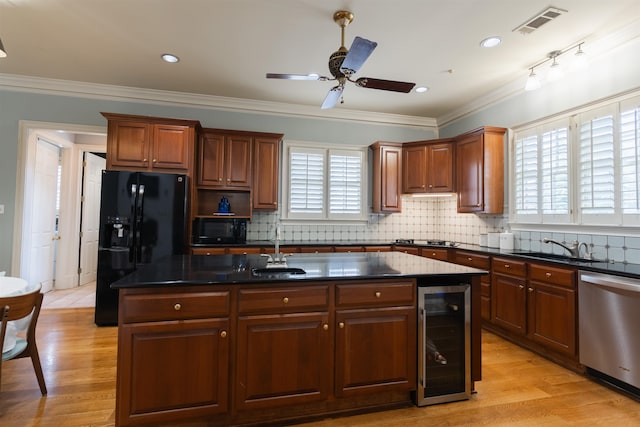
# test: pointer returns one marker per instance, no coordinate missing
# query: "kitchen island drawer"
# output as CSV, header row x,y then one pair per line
x,y
171,305
283,299
552,275
393,293
509,266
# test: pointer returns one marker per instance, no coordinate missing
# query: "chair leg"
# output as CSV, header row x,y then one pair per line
x,y
35,359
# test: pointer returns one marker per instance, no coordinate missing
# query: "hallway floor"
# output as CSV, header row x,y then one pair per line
x,y
81,296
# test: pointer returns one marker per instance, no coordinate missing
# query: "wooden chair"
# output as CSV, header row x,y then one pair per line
x,y
17,307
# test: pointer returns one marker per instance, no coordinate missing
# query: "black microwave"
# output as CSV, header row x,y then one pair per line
x,y
212,231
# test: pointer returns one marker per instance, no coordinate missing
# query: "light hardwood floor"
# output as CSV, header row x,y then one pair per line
x,y
518,388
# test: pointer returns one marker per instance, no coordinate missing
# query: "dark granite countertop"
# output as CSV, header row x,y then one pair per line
x,y
231,269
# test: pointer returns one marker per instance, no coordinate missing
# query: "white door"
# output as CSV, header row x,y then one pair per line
x,y
92,181
43,226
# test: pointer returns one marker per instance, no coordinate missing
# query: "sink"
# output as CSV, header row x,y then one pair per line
x,y
277,270
546,255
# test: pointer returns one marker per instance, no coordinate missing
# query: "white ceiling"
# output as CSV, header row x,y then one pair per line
x,y
227,46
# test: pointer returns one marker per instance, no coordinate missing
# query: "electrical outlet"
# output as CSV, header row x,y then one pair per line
x,y
1,209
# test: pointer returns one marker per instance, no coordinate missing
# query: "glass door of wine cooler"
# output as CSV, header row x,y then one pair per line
x,y
444,344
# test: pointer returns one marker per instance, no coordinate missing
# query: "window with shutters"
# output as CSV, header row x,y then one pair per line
x,y
581,170
324,183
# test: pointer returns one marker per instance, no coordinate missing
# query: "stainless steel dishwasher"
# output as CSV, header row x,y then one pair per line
x,y
609,310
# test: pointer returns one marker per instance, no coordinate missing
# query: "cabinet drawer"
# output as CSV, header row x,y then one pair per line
x,y
548,274
471,259
439,254
509,266
283,300
375,294
174,306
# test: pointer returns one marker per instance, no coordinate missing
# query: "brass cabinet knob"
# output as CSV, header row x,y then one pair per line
x,y
547,274
341,325
145,160
177,306
530,289
469,259
433,254
520,286
325,327
219,179
378,294
507,266
285,300
154,160
223,334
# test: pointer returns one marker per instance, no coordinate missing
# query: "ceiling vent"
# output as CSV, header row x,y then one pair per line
x,y
537,21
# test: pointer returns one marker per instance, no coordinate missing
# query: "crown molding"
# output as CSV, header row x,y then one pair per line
x,y
131,94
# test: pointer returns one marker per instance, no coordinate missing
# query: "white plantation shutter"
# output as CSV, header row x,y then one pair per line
x,y
554,170
526,175
345,183
325,183
306,184
597,168
630,159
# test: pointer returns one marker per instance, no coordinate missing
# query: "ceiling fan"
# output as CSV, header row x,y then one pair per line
x,y
343,64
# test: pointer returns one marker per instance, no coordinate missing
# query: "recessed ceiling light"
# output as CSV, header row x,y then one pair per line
x,y
421,89
167,57
491,41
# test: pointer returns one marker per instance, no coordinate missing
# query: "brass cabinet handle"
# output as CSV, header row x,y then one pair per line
x,y
177,306
530,289
325,327
145,160
154,160
507,266
223,334
469,259
520,286
285,300
341,325
378,294
547,274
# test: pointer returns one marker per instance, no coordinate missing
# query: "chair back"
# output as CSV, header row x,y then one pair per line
x,y
22,305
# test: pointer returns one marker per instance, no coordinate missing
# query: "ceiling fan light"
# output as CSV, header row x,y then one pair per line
x,y
491,41
532,82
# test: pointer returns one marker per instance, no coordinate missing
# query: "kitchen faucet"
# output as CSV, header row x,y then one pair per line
x,y
574,249
277,259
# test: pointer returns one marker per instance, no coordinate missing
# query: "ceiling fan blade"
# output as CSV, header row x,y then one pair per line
x,y
390,85
332,97
296,76
358,54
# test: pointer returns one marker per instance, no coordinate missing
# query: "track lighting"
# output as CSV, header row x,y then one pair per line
x,y
555,70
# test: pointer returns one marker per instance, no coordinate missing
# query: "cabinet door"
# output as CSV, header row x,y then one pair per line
x,y
128,144
508,302
171,145
265,174
172,370
283,360
440,168
238,161
387,177
552,317
470,173
414,169
375,351
211,165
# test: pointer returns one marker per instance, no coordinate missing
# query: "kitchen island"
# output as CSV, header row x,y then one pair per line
x,y
205,337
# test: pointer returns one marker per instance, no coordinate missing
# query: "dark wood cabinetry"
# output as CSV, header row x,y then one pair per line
x,y
472,259
266,160
387,177
428,167
140,143
508,301
172,332
480,170
224,160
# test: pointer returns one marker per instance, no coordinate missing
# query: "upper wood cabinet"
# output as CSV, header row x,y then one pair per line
x,y
266,160
428,167
387,175
224,160
480,170
140,143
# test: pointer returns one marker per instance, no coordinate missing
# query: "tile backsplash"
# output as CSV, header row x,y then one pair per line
x,y
437,218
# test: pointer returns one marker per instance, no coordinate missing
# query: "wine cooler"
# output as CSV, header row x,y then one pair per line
x,y
444,344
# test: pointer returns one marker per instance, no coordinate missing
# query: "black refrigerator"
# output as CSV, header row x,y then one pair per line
x,y
143,218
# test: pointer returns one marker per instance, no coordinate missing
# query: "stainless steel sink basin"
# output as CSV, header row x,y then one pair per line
x,y
277,270
546,255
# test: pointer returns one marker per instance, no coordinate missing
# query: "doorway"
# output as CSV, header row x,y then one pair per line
x,y
73,142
